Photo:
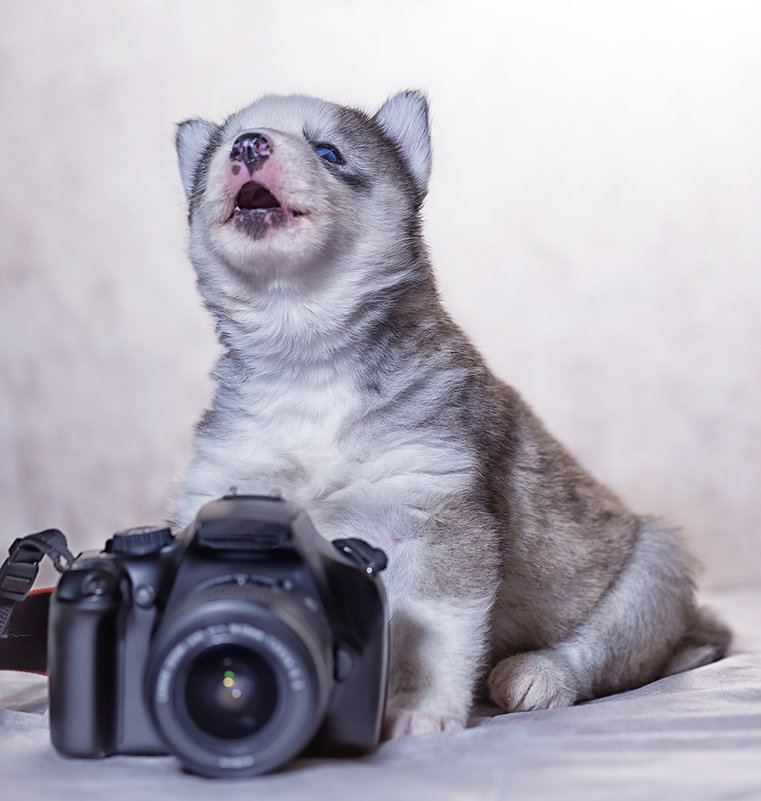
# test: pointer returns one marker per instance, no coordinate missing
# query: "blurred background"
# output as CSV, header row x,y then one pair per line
x,y
593,217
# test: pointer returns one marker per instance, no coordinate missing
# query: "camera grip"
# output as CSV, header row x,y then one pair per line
x,y
82,670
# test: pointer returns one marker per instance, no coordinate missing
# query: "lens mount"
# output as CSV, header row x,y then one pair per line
x,y
239,679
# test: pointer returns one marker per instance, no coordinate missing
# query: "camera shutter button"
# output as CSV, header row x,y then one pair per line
x,y
97,583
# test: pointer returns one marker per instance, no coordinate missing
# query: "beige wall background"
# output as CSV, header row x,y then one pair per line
x,y
593,215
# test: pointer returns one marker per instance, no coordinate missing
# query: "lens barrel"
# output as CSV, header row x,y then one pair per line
x,y
239,678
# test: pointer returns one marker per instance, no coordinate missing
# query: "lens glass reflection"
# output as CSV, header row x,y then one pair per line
x,y
230,692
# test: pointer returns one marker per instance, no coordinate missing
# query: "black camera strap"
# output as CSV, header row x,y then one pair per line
x,y
23,613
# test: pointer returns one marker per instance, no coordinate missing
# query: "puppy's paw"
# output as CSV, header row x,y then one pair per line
x,y
400,721
534,680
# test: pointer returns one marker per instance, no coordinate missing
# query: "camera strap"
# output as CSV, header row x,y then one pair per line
x,y
24,613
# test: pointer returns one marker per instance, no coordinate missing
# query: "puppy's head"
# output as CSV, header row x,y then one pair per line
x,y
290,189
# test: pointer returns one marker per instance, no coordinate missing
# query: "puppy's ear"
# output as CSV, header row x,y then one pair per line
x,y
404,119
193,137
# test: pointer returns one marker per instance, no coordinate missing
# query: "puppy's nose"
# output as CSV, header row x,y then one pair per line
x,y
251,149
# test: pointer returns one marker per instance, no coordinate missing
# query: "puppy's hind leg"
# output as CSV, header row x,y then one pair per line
x,y
644,626
706,640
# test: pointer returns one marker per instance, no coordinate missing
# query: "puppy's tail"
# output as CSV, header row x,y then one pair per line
x,y
706,640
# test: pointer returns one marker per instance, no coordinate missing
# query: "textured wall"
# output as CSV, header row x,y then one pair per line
x,y
593,217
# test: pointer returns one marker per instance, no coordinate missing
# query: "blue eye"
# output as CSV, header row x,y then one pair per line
x,y
329,153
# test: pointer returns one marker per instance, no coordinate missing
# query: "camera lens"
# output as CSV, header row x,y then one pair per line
x,y
230,692
239,679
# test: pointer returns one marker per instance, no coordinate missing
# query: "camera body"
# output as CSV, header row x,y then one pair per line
x,y
233,646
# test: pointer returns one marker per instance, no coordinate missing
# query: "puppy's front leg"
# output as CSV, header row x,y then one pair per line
x,y
442,583
437,651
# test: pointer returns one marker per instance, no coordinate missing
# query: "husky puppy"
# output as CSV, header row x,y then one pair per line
x,y
345,384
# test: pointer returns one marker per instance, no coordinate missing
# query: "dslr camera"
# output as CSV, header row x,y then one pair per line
x,y
233,646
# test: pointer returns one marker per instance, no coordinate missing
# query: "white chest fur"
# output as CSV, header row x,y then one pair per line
x,y
317,440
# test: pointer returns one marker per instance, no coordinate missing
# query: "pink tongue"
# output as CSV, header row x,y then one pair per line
x,y
254,196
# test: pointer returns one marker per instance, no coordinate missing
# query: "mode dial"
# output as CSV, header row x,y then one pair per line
x,y
139,541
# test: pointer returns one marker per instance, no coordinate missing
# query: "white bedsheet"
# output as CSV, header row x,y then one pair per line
x,y
692,736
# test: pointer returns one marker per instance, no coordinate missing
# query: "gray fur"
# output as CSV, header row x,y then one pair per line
x,y
345,384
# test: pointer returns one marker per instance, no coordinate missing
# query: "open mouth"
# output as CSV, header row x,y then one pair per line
x,y
257,211
257,199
